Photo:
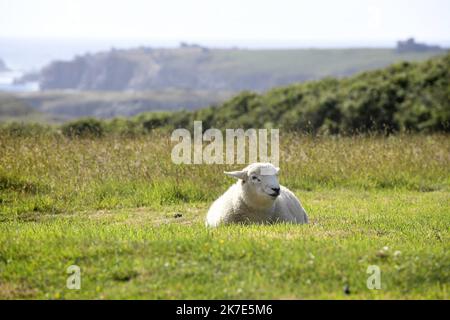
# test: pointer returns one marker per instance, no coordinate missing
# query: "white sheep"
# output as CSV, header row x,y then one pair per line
x,y
256,197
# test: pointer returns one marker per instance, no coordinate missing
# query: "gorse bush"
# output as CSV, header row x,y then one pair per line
x,y
18,129
88,127
154,120
403,97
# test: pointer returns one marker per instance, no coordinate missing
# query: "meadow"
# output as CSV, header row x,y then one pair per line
x,y
134,222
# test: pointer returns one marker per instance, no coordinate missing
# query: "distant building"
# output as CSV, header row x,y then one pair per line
x,y
411,45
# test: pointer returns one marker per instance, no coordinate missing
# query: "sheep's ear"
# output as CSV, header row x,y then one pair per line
x,y
237,174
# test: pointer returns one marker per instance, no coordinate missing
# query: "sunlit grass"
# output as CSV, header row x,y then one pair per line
x,y
56,174
146,253
134,222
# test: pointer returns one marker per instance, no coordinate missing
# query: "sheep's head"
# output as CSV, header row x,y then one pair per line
x,y
260,181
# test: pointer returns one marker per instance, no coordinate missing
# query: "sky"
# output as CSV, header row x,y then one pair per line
x,y
230,21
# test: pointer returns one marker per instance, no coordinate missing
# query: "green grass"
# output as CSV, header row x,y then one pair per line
x,y
147,253
235,67
311,63
109,205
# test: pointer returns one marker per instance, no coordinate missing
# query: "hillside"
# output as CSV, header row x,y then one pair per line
x,y
192,67
404,96
412,96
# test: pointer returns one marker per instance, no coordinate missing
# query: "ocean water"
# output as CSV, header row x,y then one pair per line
x,y
7,82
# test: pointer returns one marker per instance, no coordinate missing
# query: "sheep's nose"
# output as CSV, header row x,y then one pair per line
x,y
277,190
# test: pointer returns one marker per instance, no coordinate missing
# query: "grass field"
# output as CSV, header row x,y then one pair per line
x,y
112,206
312,63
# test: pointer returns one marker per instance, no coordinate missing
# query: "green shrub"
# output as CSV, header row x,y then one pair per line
x,y
87,127
404,97
20,129
155,120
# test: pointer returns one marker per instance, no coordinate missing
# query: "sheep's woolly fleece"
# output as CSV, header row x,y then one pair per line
x,y
256,197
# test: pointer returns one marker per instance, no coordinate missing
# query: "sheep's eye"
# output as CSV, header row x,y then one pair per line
x,y
255,178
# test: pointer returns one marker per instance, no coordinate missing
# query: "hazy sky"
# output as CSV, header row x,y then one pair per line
x,y
230,20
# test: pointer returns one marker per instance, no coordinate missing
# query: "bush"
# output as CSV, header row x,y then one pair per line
x,y
154,120
84,128
20,129
403,97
